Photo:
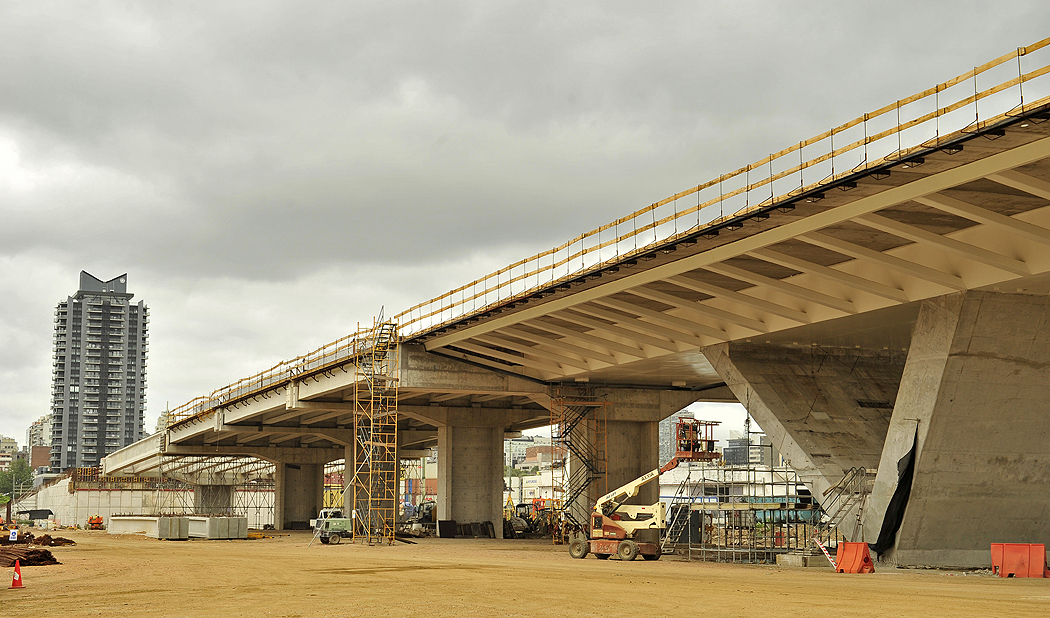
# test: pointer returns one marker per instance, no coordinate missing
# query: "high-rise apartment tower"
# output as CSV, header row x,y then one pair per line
x,y
99,379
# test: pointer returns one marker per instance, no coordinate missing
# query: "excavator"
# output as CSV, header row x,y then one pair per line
x,y
628,530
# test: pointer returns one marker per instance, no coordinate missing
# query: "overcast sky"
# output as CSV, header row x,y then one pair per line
x,y
269,174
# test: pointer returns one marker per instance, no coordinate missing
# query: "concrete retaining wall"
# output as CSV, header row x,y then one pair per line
x,y
74,509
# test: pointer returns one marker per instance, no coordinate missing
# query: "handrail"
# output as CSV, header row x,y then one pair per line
x,y
338,352
588,251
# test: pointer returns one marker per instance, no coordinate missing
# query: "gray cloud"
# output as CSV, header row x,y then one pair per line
x,y
271,172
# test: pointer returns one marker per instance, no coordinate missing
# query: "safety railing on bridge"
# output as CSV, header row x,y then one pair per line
x,y
927,120
335,353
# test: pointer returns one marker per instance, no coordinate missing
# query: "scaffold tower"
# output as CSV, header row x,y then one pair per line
x,y
578,434
376,471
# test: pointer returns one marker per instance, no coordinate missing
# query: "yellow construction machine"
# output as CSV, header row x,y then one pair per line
x,y
623,529
628,530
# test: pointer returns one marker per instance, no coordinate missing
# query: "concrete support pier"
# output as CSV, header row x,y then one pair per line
x,y
298,494
633,437
470,460
825,409
973,402
470,473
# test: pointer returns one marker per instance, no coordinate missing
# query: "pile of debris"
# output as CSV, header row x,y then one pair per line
x,y
26,557
45,540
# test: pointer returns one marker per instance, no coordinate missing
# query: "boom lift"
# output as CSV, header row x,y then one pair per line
x,y
629,530
622,529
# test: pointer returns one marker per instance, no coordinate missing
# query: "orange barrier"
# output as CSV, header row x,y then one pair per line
x,y
853,558
1019,560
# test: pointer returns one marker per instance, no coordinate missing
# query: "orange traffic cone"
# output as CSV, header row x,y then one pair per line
x,y
16,580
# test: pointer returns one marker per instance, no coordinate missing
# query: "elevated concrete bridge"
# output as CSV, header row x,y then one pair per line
x,y
897,303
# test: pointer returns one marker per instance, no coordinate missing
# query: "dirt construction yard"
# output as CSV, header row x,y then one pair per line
x,y
107,575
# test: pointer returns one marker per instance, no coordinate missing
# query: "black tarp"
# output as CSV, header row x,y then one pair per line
x,y
891,522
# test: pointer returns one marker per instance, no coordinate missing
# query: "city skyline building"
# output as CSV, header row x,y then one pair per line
x,y
39,432
99,378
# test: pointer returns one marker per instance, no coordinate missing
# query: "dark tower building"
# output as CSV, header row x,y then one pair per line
x,y
99,378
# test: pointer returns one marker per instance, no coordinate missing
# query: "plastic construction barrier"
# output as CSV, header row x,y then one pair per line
x,y
853,558
1019,560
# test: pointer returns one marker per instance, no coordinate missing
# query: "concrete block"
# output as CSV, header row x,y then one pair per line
x,y
218,527
133,525
163,530
238,527
202,527
222,527
172,528
802,560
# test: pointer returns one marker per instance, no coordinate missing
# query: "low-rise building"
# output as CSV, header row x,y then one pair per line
x,y
39,432
520,489
8,445
542,458
514,448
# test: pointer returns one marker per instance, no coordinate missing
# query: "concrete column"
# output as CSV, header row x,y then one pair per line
x,y
299,494
348,478
825,409
633,437
633,450
213,499
470,474
974,392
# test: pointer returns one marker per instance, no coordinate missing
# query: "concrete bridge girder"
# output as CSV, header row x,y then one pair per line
x,y
273,454
810,266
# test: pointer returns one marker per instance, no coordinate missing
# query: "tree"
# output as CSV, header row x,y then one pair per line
x,y
17,479
513,472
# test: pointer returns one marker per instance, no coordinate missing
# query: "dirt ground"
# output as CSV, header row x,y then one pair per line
x,y
109,575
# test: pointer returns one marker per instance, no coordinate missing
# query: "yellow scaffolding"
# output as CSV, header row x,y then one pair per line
x,y
376,471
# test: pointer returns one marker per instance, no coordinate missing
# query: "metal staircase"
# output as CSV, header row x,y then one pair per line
x,y
841,499
683,499
578,426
